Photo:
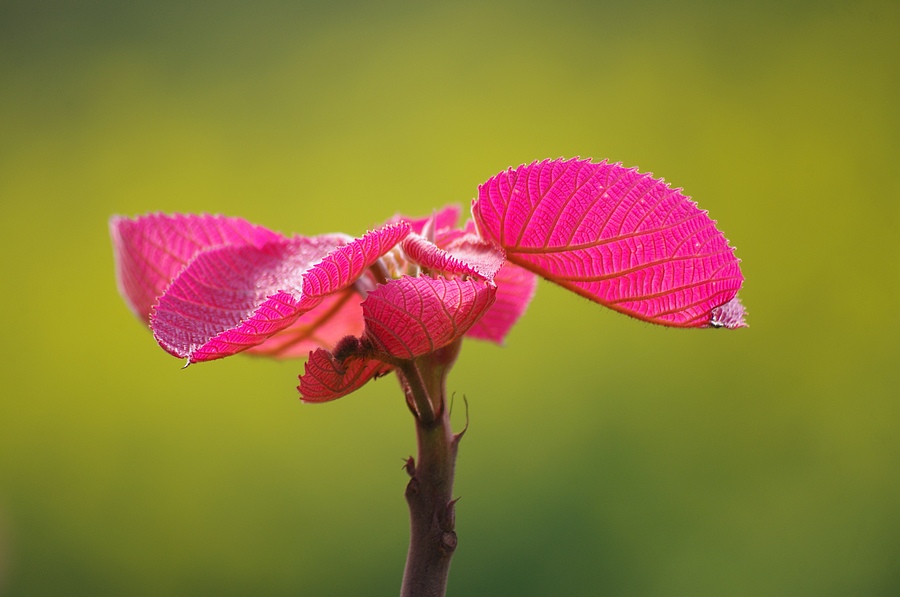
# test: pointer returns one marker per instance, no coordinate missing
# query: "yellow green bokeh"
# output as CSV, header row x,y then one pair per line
x,y
605,456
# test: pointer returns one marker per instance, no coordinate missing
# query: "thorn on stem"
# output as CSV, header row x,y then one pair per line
x,y
459,435
448,519
409,465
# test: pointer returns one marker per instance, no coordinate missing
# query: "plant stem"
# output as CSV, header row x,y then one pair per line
x,y
429,493
431,510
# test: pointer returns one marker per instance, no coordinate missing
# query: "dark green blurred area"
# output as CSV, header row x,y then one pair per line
x,y
605,456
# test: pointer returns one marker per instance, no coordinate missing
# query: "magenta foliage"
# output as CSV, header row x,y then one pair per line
x,y
433,259
415,316
615,236
152,250
327,378
515,288
211,286
230,299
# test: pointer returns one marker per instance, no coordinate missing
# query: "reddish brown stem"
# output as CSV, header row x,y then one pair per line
x,y
432,518
429,493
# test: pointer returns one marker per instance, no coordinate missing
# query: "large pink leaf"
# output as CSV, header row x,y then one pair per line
x,y
409,317
613,235
230,299
151,250
325,378
515,289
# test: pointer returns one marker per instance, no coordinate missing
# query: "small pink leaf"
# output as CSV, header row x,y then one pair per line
x,y
230,299
515,289
325,379
433,259
613,235
486,258
444,218
151,250
730,315
410,317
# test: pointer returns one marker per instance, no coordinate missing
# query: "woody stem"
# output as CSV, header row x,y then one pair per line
x,y
429,493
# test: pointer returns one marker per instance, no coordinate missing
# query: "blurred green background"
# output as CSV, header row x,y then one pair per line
x,y
605,456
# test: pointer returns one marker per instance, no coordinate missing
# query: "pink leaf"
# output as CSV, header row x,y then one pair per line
x,y
515,289
345,265
444,218
484,257
434,259
326,379
230,299
151,250
613,235
730,315
337,316
410,317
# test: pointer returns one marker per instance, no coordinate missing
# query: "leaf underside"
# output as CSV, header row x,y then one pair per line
x,y
618,237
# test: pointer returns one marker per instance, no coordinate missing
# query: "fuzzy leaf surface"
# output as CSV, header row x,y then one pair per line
x,y
233,298
151,250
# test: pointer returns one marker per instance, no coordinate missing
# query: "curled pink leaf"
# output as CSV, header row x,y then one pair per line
x,y
151,250
613,235
233,298
433,259
326,379
515,289
484,257
409,317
